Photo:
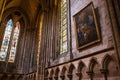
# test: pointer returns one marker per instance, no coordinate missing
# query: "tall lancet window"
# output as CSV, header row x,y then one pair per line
x,y
63,29
6,40
14,42
9,43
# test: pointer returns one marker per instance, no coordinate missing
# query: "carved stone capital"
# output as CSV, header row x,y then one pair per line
x,y
90,73
79,74
62,77
70,76
104,71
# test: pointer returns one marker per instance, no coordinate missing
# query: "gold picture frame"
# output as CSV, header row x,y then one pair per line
x,y
86,27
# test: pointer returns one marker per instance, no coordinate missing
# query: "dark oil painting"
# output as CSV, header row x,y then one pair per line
x,y
86,27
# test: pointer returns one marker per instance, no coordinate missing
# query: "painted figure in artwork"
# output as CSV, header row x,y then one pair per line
x,y
6,41
85,26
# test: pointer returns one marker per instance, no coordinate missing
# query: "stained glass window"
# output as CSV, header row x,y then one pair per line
x,y
6,40
14,43
9,43
63,39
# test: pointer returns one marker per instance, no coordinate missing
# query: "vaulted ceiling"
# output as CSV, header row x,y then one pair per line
x,y
30,7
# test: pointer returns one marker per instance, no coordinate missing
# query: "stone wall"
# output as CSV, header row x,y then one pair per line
x,y
95,62
103,24
97,67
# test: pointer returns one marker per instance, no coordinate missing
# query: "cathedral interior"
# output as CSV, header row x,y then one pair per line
x,y
59,39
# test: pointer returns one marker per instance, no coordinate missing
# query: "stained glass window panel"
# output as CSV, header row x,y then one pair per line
x,y
6,40
63,41
64,38
14,43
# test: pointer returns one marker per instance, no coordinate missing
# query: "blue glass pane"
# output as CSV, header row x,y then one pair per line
x,y
14,43
6,40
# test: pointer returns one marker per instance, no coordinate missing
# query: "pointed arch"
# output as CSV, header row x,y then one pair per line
x,y
92,64
14,42
51,73
81,70
64,69
6,40
80,66
106,60
16,19
57,72
21,11
70,70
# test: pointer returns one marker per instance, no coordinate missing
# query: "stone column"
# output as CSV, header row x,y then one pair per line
x,y
104,72
79,74
90,73
114,29
62,77
70,76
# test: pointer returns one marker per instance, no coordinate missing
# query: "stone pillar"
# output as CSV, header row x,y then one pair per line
x,y
62,77
114,29
90,73
104,72
70,76
79,74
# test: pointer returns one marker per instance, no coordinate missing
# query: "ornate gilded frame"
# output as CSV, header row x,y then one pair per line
x,y
85,28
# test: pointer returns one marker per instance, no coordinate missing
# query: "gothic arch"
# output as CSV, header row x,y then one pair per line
x,y
51,73
12,10
70,70
64,69
92,63
109,67
80,66
63,72
57,72
106,60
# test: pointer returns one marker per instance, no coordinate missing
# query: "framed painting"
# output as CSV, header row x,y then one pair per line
x,y
86,27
